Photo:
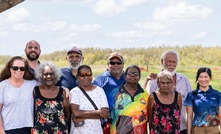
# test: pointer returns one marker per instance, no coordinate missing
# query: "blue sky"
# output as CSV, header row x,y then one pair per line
x,y
62,24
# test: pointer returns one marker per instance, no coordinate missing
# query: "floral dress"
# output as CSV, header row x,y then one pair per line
x,y
49,114
166,117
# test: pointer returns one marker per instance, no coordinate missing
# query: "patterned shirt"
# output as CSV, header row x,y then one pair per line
x,y
183,87
166,117
49,114
129,113
205,106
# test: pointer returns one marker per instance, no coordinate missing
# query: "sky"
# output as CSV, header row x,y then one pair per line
x,y
61,24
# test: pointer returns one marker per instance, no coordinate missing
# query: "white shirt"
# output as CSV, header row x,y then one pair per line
x,y
18,104
91,126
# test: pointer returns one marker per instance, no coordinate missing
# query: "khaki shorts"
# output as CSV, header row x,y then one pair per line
x,y
206,130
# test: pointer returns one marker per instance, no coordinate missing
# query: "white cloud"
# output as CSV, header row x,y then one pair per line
x,y
85,28
181,12
17,15
131,3
175,14
3,34
56,26
127,34
26,27
51,26
48,26
154,25
140,34
108,8
199,35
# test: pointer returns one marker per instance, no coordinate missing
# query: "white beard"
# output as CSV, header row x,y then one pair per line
x,y
74,67
173,72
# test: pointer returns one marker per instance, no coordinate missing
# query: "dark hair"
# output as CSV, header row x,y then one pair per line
x,y
5,73
132,66
83,66
202,70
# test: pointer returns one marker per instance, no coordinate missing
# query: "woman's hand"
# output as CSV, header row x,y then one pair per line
x,y
76,120
67,92
104,112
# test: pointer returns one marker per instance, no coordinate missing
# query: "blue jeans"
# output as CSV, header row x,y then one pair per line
x,y
25,130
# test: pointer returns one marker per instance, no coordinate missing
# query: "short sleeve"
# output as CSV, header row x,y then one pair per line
x,y
1,93
151,86
188,100
74,96
219,98
103,98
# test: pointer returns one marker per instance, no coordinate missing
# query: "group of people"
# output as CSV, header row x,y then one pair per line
x,y
40,98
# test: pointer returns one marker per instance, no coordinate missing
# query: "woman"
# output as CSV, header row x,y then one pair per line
x,y
86,119
205,104
164,106
16,99
129,109
51,106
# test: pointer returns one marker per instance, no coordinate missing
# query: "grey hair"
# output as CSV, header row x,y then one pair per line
x,y
164,74
39,71
173,52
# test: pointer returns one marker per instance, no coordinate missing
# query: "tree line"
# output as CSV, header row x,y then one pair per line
x,y
190,56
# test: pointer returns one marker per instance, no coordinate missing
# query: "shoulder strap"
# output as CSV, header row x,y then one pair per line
x,y
89,98
36,91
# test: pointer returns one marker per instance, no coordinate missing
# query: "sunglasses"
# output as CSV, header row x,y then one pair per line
x,y
15,68
133,73
114,63
85,74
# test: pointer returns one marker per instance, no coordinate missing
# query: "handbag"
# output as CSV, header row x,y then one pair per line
x,y
105,123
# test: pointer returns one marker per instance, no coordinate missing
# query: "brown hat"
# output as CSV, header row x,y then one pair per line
x,y
117,55
75,49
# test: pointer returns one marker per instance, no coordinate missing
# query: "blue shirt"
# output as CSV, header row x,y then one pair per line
x,y
67,79
108,82
205,106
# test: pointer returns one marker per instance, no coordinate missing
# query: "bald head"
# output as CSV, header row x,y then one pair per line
x,y
32,50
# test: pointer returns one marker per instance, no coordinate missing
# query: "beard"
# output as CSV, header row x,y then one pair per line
x,y
31,58
74,65
173,72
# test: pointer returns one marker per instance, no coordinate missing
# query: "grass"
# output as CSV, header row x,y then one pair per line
x,y
190,73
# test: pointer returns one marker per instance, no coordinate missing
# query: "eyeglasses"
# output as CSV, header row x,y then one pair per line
x,y
114,63
15,68
46,74
85,74
133,73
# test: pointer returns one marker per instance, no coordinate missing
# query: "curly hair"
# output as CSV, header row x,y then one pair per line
x,y
39,71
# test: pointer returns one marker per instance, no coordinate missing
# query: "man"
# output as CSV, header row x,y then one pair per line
x,y
113,76
169,61
33,51
68,75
